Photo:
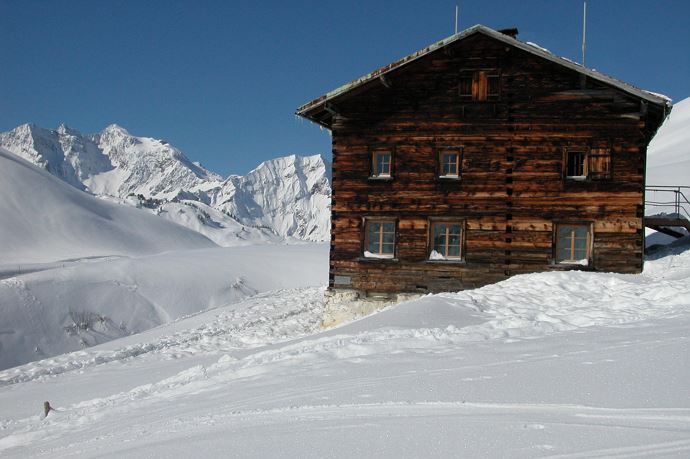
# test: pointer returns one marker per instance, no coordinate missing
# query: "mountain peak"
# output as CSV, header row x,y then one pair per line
x,y
115,129
63,129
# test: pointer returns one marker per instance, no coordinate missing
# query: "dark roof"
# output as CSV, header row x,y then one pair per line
x,y
312,108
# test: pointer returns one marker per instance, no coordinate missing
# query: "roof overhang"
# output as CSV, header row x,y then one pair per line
x,y
315,109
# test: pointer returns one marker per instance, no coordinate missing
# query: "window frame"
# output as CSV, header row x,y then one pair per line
x,y
373,163
367,239
431,246
474,85
449,150
588,171
589,226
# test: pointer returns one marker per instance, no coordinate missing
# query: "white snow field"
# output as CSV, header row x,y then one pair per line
x,y
558,364
46,220
669,151
76,270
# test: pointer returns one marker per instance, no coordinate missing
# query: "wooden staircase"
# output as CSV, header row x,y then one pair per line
x,y
668,208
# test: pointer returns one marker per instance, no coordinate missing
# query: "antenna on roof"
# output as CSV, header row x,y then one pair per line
x,y
584,31
457,10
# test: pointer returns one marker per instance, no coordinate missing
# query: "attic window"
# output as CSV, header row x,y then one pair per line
x,y
482,85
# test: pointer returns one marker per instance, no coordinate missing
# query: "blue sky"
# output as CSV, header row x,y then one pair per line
x,y
221,80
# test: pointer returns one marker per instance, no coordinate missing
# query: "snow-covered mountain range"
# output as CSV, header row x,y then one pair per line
x,y
287,197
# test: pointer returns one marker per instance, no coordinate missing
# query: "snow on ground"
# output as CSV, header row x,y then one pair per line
x,y
215,225
62,309
560,364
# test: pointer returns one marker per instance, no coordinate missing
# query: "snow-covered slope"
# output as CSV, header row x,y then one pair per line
x,y
42,219
668,155
286,197
63,308
558,364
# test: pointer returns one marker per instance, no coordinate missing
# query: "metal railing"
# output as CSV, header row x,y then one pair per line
x,y
669,200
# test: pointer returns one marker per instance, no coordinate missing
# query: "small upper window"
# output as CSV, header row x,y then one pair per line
x,y
594,164
446,240
576,167
381,164
573,244
379,239
480,86
449,163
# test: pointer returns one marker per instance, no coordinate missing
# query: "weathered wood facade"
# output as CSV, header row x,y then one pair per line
x,y
521,121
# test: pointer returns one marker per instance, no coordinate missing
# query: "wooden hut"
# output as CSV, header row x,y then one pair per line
x,y
480,157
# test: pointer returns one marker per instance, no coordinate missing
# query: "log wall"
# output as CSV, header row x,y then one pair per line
x,y
512,189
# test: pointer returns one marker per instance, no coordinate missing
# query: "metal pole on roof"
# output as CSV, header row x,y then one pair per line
x,y
584,31
457,8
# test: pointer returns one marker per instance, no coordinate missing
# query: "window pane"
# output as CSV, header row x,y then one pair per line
x,y
576,164
564,231
454,229
389,227
563,254
453,251
374,227
373,246
454,239
581,232
388,248
383,163
493,85
580,244
388,238
580,254
465,87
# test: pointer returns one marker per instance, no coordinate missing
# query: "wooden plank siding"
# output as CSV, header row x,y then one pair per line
x,y
512,189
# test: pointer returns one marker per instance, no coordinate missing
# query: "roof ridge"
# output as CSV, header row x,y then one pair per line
x,y
480,28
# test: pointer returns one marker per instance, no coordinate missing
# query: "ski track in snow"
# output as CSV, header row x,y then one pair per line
x,y
271,317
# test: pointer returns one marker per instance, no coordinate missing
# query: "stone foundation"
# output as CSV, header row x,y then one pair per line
x,y
344,305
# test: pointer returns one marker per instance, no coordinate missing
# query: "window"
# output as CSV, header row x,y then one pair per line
x,y
446,240
465,86
379,241
381,164
573,244
594,164
576,165
481,85
449,163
